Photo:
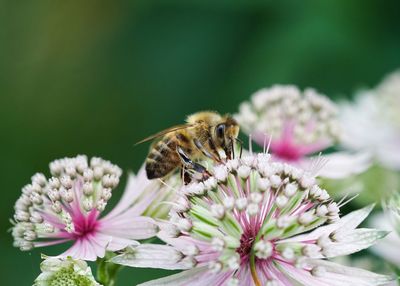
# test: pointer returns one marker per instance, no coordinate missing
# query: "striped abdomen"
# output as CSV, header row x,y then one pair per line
x,y
163,158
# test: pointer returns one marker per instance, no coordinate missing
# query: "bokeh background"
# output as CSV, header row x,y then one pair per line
x,y
93,77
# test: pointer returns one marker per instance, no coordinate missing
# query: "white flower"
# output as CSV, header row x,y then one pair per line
x,y
389,247
65,272
270,225
372,122
298,125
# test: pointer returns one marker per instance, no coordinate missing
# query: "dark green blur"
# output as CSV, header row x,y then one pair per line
x,y
93,77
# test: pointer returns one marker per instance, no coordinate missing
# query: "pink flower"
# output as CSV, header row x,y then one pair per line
x,y
68,207
299,124
257,222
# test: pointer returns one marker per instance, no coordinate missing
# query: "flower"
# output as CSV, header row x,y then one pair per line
x,y
388,248
257,222
56,271
372,122
67,207
298,124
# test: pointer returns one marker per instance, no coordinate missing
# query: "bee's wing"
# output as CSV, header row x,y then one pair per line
x,y
164,132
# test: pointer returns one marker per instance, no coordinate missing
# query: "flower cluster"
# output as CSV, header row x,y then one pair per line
x,y
65,272
298,124
257,219
67,207
257,222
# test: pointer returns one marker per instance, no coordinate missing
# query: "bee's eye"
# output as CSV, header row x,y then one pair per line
x,y
220,130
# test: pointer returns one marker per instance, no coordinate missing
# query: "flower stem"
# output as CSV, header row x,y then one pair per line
x,y
106,271
253,269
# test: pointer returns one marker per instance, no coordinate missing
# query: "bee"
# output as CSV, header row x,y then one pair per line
x,y
205,133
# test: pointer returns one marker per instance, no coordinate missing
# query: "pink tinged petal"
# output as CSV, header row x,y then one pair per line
x,y
118,243
307,149
338,275
244,276
198,276
277,275
301,276
152,256
129,227
88,248
50,242
343,164
183,243
135,187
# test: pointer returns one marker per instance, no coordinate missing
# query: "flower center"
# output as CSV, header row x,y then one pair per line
x,y
246,244
85,225
286,151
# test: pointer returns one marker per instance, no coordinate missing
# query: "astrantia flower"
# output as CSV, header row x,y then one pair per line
x,y
389,247
299,124
372,122
254,222
65,272
67,207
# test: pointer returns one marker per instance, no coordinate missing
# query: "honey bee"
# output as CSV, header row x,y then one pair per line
x,y
205,133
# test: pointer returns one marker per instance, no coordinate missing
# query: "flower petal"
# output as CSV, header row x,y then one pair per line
x,y
386,246
129,227
198,276
152,256
344,164
353,242
345,225
337,274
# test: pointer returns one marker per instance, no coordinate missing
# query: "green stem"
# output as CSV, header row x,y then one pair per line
x,y
107,272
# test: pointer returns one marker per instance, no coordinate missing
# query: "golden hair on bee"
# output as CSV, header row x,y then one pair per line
x,y
205,134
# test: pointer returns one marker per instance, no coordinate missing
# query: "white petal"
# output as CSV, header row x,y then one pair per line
x,y
343,164
188,277
152,256
345,225
353,242
387,247
337,274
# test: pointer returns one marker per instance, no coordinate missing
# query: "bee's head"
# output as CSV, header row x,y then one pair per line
x,y
225,133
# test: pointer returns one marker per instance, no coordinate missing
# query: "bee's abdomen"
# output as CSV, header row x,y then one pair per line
x,y
162,159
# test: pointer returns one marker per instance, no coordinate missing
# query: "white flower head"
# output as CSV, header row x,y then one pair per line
x,y
372,122
298,124
56,271
251,236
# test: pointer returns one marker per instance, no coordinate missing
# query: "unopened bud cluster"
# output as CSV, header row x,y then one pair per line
x,y
310,116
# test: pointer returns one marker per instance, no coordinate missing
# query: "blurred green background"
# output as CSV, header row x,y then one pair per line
x,y
93,77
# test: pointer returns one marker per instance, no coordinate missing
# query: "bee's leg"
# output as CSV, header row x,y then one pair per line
x,y
190,165
185,175
214,156
241,146
230,149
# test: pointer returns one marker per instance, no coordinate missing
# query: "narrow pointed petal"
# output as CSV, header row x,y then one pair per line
x,y
348,276
152,256
343,164
353,242
195,277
